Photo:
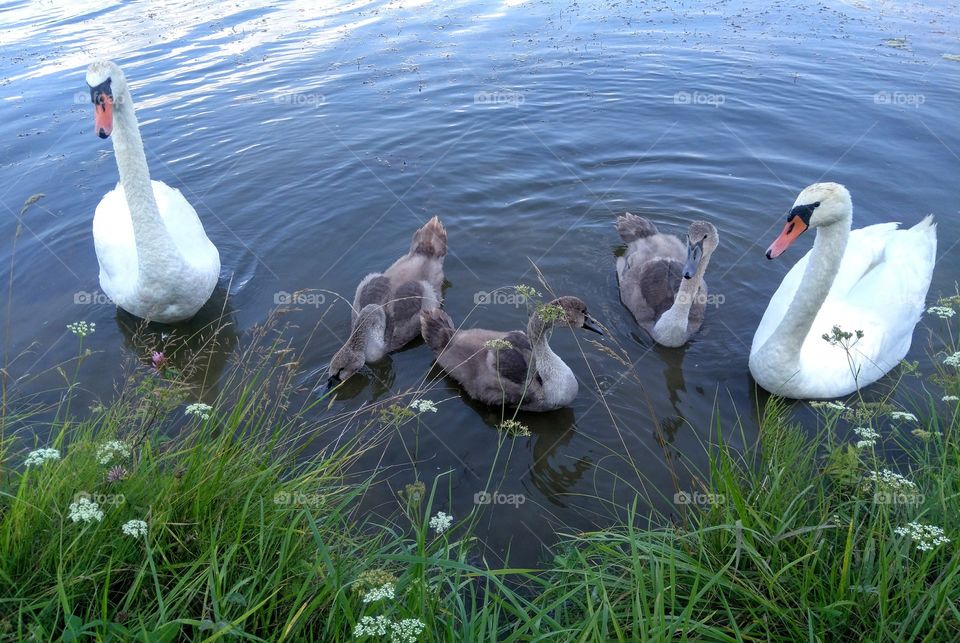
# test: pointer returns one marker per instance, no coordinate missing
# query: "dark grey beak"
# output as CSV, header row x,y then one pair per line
x,y
694,255
589,323
333,382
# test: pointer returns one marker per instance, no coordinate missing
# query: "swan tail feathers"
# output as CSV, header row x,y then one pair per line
x,y
630,227
430,240
437,329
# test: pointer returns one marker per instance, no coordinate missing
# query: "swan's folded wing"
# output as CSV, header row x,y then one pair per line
x,y
114,243
184,225
511,363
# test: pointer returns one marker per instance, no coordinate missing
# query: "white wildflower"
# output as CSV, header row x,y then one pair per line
x,y
903,415
406,631
887,480
441,522
868,437
199,409
423,406
950,398
40,456
953,360
379,593
135,528
86,510
113,449
82,329
833,406
926,537
372,626
943,312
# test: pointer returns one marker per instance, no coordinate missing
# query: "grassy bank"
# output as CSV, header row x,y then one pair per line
x,y
820,536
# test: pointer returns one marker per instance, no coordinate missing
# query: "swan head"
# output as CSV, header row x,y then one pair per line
x,y
364,343
572,312
107,83
702,240
818,205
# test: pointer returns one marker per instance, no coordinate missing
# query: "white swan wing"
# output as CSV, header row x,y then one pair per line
x,y
115,246
184,226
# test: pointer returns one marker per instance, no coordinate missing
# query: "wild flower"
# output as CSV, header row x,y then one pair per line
x,y
379,593
923,434
135,528
423,406
441,522
86,510
82,329
903,415
943,312
39,456
407,630
950,398
527,292
514,428
887,480
414,492
498,344
868,437
116,474
926,537
199,409
837,337
158,360
832,406
112,449
373,578
372,626
953,360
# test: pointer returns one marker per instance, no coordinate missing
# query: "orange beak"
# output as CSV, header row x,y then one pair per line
x,y
791,232
103,116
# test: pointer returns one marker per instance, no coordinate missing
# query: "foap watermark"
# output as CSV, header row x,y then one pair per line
x,y
101,499
299,298
96,298
300,99
514,99
298,499
698,98
499,298
497,498
898,498
698,498
709,299
899,99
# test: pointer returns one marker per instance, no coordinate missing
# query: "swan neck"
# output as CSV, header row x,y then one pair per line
x,y
825,259
539,332
671,327
154,244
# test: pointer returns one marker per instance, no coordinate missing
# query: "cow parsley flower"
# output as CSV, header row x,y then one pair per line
x,y
887,480
81,328
953,360
514,428
903,415
135,528
950,398
868,437
926,537
372,626
113,449
423,406
943,312
86,510
406,631
199,409
379,593
833,406
39,456
441,522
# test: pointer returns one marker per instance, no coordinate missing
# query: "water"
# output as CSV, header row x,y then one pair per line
x,y
313,141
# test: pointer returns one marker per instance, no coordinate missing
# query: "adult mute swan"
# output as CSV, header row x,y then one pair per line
x,y
661,278
387,305
873,280
156,261
515,368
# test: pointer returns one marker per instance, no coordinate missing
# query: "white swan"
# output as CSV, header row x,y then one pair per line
x,y
873,280
156,261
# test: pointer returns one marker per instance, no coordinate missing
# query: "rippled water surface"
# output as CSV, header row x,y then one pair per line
x,y
313,139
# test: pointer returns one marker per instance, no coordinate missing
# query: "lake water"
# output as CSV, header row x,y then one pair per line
x,y
313,140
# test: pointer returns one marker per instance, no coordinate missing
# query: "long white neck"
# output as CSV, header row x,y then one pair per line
x,y
671,328
156,251
559,383
785,343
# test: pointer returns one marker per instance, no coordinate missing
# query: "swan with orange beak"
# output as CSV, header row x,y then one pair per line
x,y
156,261
873,280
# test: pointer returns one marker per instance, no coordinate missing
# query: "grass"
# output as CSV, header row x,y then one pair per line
x,y
251,539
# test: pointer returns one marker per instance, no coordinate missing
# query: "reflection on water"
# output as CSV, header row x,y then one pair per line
x,y
312,139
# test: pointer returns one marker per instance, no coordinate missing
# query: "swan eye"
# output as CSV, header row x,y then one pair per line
x,y
817,204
